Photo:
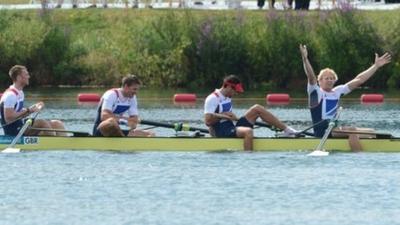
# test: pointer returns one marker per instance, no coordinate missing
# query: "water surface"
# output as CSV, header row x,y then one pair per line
x,y
89,187
199,188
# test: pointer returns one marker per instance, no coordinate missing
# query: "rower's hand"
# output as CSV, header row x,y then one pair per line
x,y
133,122
303,51
383,60
36,107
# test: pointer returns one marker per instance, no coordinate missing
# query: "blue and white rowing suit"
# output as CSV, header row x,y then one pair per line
x,y
324,105
216,102
11,99
119,105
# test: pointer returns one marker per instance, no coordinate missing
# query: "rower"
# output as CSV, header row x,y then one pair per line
x,y
219,116
13,111
324,97
117,107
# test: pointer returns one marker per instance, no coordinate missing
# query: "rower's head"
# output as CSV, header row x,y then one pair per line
x,y
232,85
130,85
327,79
19,75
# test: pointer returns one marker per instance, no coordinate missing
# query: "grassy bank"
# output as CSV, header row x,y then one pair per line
x,y
180,48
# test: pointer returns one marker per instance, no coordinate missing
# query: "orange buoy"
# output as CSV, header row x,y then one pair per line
x,y
278,98
184,97
88,97
371,98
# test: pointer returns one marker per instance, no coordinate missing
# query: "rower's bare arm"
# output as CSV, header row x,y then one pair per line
x,y
106,114
230,116
210,119
11,115
307,65
365,75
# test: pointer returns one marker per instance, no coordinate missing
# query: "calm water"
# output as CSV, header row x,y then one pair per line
x,y
65,187
199,188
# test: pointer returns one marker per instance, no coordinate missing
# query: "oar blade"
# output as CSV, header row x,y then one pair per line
x,y
11,150
319,153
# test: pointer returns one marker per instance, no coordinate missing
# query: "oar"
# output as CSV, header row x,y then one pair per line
x,y
10,148
319,151
175,126
298,134
262,124
75,133
309,128
378,135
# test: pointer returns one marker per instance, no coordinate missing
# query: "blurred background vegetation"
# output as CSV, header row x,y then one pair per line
x,y
196,48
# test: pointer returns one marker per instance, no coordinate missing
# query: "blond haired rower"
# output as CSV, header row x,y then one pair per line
x,y
324,96
13,111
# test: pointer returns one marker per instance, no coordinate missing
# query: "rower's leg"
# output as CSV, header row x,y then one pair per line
x,y
110,128
354,139
39,123
58,125
354,142
258,111
247,134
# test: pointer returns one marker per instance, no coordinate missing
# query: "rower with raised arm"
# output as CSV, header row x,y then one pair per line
x,y
117,107
219,116
13,111
324,96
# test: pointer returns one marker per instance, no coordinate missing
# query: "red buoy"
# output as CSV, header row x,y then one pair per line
x,y
371,98
88,97
184,97
278,98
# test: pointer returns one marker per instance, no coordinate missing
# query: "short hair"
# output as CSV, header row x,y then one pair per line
x,y
129,80
233,79
15,71
327,70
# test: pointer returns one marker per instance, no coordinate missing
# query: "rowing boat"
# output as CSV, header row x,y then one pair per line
x,y
34,143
